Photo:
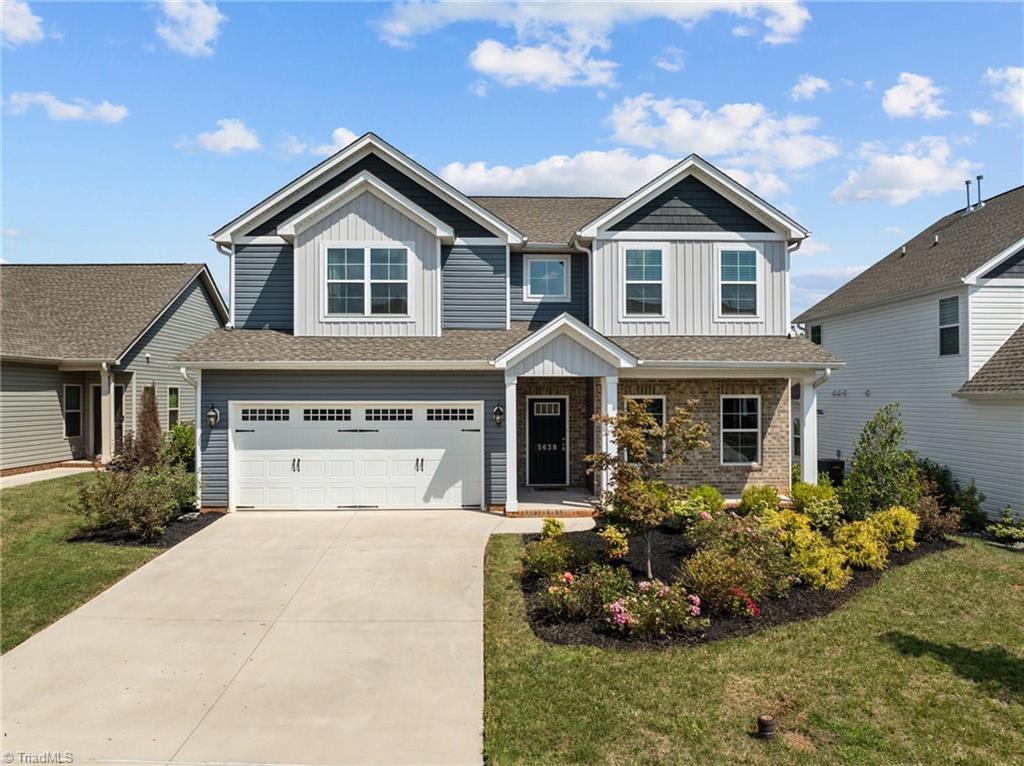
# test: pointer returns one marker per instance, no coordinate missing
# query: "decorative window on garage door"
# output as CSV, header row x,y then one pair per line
x,y
326,413
265,413
450,413
388,413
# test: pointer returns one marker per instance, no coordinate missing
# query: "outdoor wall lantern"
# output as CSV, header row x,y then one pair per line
x,y
499,415
212,416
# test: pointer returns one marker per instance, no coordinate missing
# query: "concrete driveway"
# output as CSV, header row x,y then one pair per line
x,y
286,638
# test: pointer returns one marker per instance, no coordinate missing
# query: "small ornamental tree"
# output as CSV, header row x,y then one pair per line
x,y
635,500
148,441
883,472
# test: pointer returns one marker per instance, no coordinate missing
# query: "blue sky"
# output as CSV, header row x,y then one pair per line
x,y
133,130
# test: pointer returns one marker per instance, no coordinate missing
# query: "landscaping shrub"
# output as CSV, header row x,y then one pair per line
x,y
715,573
148,439
756,500
794,473
862,544
703,498
140,502
817,562
819,502
968,500
577,597
1009,529
934,523
551,556
883,473
937,480
552,528
656,610
180,446
896,526
616,542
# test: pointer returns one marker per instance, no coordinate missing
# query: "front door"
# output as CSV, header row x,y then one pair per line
x,y
97,419
547,457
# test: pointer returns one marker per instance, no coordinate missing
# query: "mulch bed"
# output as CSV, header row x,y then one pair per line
x,y
177,530
667,549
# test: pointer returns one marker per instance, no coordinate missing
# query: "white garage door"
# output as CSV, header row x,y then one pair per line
x,y
355,455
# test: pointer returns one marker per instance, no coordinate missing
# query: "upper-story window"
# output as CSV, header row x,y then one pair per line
x,y
367,281
547,279
644,283
815,333
949,326
738,284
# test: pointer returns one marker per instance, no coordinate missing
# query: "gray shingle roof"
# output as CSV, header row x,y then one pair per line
x,y
479,346
547,220
1003,373
84,311
966,242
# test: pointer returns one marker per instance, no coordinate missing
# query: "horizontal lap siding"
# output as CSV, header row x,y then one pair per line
x,y
32,415
578,305
689,206
220,387
473,287
263,290
996,311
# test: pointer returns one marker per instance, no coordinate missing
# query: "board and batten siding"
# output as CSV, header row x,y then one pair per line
x,y
363,221
562,356
690,278
473,287
263,291
220,387
892,355
153,359
32,415
544,311
996,310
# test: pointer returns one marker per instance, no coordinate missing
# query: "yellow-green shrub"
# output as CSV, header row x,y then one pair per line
x,y
819,501
897,526
818,563
786,521
863,545
551,528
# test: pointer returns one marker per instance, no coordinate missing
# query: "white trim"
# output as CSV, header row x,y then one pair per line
x,y
200,424
439,284
664,248
759,264
113,412
167,393
361,147
231,287
992,262
364,182
675,371
578,331
721,430
265,239
664,414
565,260
366,247
529,413
691,236
508,288
64,412
712,176
511,444
470,241
345,364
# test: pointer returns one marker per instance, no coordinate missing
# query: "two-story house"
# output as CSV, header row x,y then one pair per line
x,y
397,343
938,326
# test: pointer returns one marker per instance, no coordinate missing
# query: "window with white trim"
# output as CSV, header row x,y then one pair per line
x,y
367,281
949,326
546,279
644,283
72,410
741,430
173,405
738,283
655,406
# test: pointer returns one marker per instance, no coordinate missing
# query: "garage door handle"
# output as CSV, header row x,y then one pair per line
x,y
298,465
293,465
245,430
358,431
471,430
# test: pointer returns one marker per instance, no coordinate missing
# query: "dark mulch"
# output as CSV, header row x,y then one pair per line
x,y
668,548
177,530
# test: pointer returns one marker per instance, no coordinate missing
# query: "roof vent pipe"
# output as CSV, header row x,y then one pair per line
x,y
980,202
903,250
935,241
967,184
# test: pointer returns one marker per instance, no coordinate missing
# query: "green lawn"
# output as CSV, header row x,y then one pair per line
x,y
927,667
42,576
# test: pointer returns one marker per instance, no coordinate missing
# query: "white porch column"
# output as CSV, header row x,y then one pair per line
x,y
809,431
106,415
609,408
511,452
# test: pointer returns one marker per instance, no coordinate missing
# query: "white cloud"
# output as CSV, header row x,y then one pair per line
x,y
761,182
807,87
340,138
479,88
980,117
670,59
743,134
1008,84
545,66
231,136
79,109
19,25
914,95
190,27
742,30
813,247
917,168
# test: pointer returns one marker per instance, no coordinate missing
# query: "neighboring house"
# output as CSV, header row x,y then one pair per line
x,y
79,342
395,343
936,326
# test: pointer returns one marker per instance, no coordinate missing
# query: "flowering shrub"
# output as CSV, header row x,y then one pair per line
x,y
896,526
550,556
577,597
616,542
743,604
756,500
552,528
701,499
656,610
714,573
862,544
933,523
819,502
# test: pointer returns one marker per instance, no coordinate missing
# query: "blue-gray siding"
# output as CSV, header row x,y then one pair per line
x,y
473,284
221,386
32,415
1011,268
264,290
545,312
689,205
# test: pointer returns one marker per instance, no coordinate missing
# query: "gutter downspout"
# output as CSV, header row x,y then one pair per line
x,y
230,253
824,378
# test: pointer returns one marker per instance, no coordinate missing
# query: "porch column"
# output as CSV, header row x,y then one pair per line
x,y
511,452
809,431
609,408
106,415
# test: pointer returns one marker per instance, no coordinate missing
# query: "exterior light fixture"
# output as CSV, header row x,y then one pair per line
x,y
499,415
212,416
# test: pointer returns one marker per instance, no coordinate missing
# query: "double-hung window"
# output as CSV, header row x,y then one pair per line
x,y
738,284
741,430
949,326
655,406
72,411
367,281
547,279
644,283
173,405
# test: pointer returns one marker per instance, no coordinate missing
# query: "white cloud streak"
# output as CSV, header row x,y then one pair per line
x,y
340,138
980,117
19,25
1008,87
231,136
670,59
77,110
914,95
190,28
808,86
545,66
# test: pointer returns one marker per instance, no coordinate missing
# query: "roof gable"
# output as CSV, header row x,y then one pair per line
x,y
581,333
689,205
1002,374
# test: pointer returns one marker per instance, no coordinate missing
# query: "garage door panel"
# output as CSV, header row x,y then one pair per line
x,y
341,469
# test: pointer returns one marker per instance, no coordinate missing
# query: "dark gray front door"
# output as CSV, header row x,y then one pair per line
x,y
547,442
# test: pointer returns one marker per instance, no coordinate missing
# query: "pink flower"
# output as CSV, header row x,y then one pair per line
x,y
644,586
694,599
663,591
620,616
567,578
704,516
